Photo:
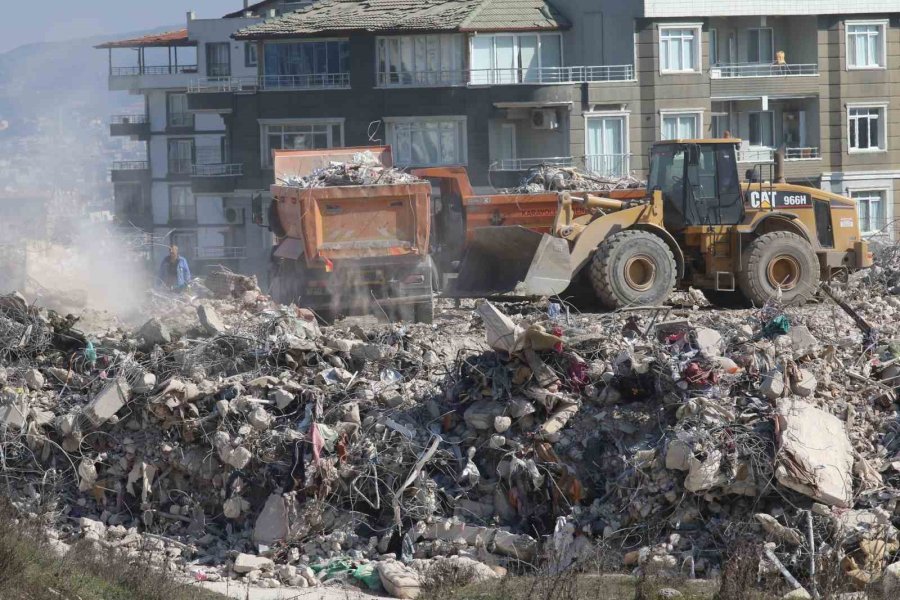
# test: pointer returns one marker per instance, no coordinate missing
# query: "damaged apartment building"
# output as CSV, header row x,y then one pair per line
x,y
499,86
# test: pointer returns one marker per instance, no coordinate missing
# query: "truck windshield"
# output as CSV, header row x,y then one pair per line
x,y
666,168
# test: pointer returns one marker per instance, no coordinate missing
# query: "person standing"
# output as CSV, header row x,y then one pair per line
x,y
174,272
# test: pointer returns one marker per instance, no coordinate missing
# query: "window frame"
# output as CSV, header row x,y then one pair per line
x,y
169,158
882,107
758,60
227,46
191,121
463,135
190,218
251,48
750,127
713,46
298,42
883,25
266,153
520,79
697,68
383,78
696,112
885,199
625,117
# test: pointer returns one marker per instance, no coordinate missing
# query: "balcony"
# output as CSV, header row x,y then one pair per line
x,y
524,164
767,155
755,70
219,178
134,126
317,81
608,165
513,76
220,253
150,76
124,171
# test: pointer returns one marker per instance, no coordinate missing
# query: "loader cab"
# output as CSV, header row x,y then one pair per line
x,y
699,182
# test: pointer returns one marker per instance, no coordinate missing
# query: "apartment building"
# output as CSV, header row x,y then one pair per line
x,y
182,190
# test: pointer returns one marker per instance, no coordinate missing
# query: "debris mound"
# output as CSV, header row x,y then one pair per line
x,y
548,178
363,169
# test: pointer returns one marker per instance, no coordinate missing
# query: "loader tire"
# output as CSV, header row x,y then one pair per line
x,y
632,268
722,299
779,259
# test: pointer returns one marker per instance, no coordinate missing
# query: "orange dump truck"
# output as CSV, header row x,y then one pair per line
x,y
351,248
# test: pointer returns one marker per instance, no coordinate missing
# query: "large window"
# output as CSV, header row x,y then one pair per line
x,y
522,58
866,45
872,209
313,64
606,144
720,127
421,60
427,141
182,204
866,128
181,156
762,129
218,59
177,114
713,47
680,126
760,46
300,135
679,49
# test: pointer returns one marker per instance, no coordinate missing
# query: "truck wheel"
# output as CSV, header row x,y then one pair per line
x,y
424,312
735,299
632,268
779,259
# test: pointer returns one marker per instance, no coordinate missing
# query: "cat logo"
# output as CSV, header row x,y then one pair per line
x,y
769,199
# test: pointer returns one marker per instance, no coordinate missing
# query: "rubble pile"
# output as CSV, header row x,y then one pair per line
x,y
363,169
548,178
230,438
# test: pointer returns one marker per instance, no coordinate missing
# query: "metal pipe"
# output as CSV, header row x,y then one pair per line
x,y
600,202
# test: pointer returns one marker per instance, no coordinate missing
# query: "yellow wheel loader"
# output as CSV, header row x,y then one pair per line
x,y
698,225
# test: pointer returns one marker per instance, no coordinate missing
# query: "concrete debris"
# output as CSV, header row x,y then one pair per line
x,y
252,444
548,178
363,169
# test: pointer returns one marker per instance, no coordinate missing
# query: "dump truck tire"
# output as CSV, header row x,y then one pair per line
x,y
633,268
779,258
722,299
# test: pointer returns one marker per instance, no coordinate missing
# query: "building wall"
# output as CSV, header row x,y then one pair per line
x,y
205,31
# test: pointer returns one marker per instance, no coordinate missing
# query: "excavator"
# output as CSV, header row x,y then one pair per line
x,y
697,224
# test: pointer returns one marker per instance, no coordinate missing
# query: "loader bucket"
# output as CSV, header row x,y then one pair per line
x,y
512,261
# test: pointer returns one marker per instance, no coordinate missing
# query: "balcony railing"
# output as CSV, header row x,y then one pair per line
x,y
269,83
520,76
755,155
128,120
802,154
220,252
733,71
130,165
218,170
151,70
523,164
608,165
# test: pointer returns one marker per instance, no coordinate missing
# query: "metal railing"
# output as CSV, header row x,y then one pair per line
x,y
755,155
314,81
732,71
218,170
220,252
130,165
608,165
151,70
810,153
511,76
180,166
523,164
128,120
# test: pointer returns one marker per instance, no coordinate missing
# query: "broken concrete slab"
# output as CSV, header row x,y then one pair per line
x,y
399,581
34,379
210,319
111,398
803,342
272,523
709,341
154,333
772,386
502,333
803,383
13,414
814,455
244,563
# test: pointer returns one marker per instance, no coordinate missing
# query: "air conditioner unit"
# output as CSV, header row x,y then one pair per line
x,y
234,216
544,118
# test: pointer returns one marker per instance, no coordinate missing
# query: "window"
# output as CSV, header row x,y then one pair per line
x,y
866,128
680,126
760,46
679,49
872,209
713,47
506,142
721,124
177,114
427,141
606,145
186,242
218,59
866,45
523,58
250,54
181,156
307,64
420,60
762,129
300,135
182,205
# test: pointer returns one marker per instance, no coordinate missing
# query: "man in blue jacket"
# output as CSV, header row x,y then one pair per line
x,y
174,271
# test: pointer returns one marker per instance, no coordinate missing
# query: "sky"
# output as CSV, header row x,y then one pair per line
x,y
58,20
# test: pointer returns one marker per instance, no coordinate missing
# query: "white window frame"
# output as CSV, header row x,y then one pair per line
x,y
518,68
192,218
886,198
443,78
749,128
757,60
391,122
883,24
506,127
264,124
625,115
882,127
713,47
697,112
698,48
